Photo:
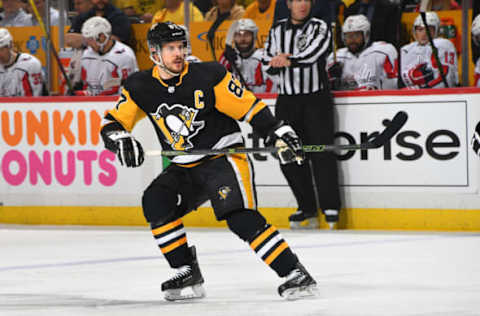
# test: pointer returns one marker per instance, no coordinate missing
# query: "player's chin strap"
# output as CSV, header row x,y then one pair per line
x,y
102,45
160,64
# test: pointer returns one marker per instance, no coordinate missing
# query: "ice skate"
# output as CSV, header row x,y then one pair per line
x,y
300,220
331,217
187,283
299,284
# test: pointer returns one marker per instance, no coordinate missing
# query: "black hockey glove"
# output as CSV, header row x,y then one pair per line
x,y
288,144
129,151
230,54
335,75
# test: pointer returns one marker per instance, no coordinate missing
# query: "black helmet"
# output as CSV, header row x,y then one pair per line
x,y
161,33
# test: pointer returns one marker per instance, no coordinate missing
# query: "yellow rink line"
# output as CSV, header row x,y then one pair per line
x,y
353,218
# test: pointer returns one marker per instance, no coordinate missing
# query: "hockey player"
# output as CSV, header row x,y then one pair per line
x,y
196,106
106,63
20,73
240,50
359,65
476,41
419,69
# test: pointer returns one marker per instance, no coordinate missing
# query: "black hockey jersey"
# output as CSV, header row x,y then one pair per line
x,y
198,111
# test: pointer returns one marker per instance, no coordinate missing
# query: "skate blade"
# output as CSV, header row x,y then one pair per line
x,y
189,293
307,291
309,223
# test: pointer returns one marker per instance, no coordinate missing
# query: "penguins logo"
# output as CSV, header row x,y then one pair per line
x,y
223,192
177,124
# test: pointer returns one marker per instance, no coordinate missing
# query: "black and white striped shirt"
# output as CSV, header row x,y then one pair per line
x,y
308,44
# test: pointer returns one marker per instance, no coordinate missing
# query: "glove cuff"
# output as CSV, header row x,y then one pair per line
x,y
282,130
118,135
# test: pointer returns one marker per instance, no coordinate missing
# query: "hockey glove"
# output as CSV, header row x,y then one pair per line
x,y
335,75
129,151
230,54
420,75
288,144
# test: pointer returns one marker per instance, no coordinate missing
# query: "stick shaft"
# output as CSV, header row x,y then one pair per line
x,y
395,125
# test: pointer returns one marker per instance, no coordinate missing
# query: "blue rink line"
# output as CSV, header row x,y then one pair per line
x,y
159,257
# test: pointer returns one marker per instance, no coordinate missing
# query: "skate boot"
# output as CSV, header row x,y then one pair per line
x,y
331,217
301,220
299,284
188,280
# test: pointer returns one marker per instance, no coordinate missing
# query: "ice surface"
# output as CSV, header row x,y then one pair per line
x,y
118,271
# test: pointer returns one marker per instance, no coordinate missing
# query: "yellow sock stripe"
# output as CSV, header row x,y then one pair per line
x,y
174,245
276,253
164,228
254,244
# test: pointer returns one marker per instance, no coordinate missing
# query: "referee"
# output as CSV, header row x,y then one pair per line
x,y
296,50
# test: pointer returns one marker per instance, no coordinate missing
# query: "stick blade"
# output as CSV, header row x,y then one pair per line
x,y
395,125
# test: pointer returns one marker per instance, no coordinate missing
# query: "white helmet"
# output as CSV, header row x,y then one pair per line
x,y
93,27
5,38
476,30
357,23
432,20
250,26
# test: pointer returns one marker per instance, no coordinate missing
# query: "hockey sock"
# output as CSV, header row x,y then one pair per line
x,y
172,241
270,246
264,239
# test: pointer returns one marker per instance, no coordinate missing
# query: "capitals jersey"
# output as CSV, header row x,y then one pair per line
x,y
419,68
197,110
374,68
253,72
103,74
477,73
23,78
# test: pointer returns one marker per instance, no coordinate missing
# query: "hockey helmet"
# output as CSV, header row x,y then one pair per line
x,y
94,27
476,30
432,20
160,34
250,26
357,23
5,38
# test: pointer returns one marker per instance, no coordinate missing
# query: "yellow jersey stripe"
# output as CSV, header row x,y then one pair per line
x,y
254,110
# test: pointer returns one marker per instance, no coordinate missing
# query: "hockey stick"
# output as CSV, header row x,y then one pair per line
x,y
423,9
395,125
47,36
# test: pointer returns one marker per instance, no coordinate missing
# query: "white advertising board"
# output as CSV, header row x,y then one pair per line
x,y
51,154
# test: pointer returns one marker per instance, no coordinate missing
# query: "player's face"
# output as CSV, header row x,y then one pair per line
x,y
99,4
421,34
173,56
4,55
299,9
354,41
11,6
94,44
243,40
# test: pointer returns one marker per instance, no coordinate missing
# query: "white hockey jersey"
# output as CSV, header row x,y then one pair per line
x,y
374,68
23,78
419,68
253,72
477,73
103,74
